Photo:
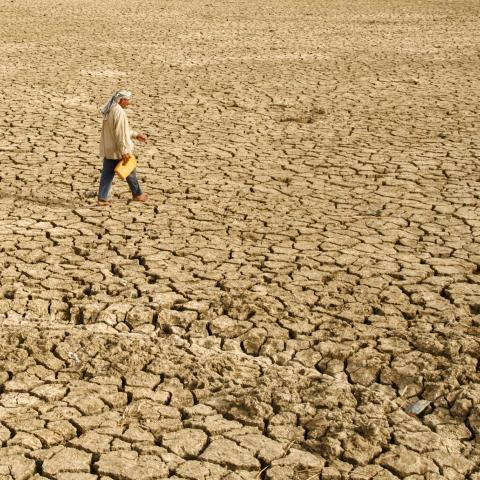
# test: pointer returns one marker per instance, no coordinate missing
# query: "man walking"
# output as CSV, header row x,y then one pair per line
x,y
116,145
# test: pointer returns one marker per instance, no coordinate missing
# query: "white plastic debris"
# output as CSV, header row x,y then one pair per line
x,y
417,407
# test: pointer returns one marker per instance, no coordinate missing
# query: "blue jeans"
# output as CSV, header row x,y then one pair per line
x,y
106,179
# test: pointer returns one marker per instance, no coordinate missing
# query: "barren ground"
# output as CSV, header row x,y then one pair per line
x,y
308,267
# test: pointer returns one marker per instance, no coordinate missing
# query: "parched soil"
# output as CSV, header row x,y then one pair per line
x,y
300,299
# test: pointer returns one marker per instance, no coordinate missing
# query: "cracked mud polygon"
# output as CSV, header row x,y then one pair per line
x,y
299,299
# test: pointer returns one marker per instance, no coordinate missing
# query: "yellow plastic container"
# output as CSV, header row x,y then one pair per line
x,y
124,170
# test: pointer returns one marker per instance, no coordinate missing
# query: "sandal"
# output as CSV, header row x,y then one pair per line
x,y
104,203
143,197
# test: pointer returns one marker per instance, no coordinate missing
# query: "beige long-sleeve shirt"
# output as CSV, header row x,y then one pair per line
x,y
116,137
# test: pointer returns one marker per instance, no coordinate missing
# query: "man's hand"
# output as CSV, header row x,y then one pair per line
x,y
125,158
141,137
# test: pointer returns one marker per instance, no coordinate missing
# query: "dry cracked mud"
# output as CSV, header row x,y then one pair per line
x,y
300,299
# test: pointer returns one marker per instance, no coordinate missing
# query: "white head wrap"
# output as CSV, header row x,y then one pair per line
x,y
114,100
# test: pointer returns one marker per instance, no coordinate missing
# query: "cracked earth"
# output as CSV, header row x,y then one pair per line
x,y
300,299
